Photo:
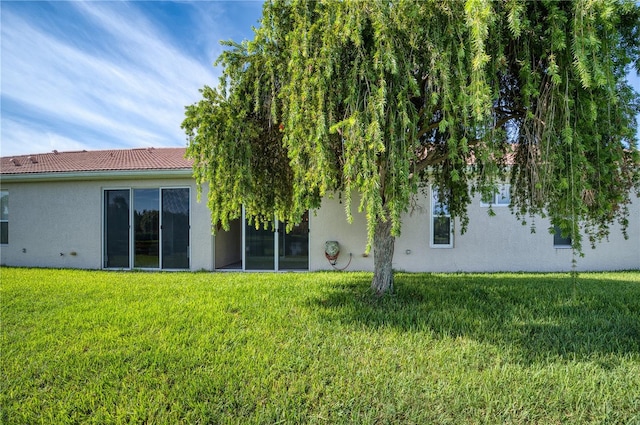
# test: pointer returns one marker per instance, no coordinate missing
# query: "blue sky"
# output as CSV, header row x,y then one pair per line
x,y
105,74
102,75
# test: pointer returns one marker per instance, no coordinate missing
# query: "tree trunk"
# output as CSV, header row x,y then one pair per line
x,y
383,243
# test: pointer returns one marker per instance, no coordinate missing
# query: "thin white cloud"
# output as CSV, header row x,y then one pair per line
x,y
132,93
36,140
128,89
145,46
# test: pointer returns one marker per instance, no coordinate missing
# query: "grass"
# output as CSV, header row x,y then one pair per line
x,y
232,348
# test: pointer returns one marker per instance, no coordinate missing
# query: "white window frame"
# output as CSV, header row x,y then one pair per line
x,y
499,198
6,220
433,216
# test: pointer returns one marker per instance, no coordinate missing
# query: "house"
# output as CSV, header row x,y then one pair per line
x,y
137,208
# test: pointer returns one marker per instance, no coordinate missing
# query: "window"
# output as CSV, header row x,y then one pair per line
x,y
147,228
116,228
560,241
4,217
501,198
441,224
175,228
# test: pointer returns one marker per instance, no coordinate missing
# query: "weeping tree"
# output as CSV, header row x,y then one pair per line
x,y
382,98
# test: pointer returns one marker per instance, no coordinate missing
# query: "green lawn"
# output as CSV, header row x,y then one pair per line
x,y
133,347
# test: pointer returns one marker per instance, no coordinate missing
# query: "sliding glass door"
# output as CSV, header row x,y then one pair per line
x,y
276,249
293,246
116,229
259,248
146,221
175,228
159,237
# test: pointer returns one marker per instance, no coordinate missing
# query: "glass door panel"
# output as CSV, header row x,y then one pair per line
x,y
175,228
293,247
259,248
146,222
116,229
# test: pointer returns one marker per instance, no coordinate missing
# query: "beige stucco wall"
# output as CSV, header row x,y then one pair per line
x,y
48,221
499,243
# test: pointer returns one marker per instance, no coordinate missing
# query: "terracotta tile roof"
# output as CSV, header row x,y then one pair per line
x,y
105,160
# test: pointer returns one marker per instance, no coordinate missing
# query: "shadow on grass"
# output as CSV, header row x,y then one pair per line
x,y
534,316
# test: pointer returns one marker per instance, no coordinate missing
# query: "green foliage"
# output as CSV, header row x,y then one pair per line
x,y
381,98
230,348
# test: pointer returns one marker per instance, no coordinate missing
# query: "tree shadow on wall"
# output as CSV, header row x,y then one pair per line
x,y
536,315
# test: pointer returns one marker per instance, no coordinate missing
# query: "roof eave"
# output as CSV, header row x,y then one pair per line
x,y
97,175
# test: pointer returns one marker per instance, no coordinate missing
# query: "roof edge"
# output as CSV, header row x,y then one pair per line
x,y
96,175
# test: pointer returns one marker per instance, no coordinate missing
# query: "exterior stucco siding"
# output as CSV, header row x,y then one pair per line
x,y
48,223
60,224
490,244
